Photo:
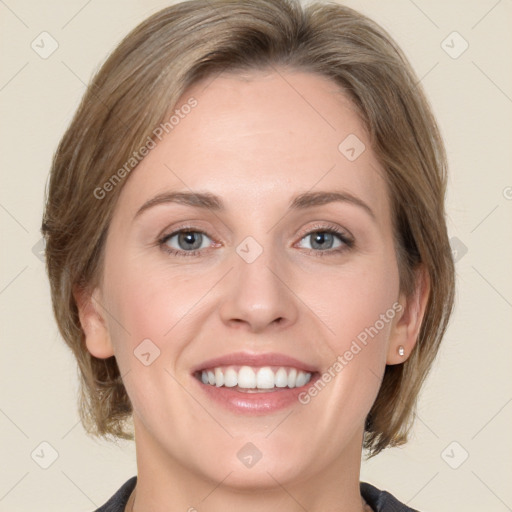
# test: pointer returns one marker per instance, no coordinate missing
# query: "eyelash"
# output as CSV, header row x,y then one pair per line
x,y
348,241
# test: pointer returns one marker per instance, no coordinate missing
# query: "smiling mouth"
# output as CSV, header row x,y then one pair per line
x,y
251,379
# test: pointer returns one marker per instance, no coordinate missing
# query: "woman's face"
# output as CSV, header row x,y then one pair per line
x,y
285,262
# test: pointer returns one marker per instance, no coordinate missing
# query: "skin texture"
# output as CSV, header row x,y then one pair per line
x,y
257,141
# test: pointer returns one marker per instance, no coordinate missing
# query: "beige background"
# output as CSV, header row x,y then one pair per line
x,y
468,396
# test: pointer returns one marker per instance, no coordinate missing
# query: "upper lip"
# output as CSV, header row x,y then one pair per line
x,y
253,359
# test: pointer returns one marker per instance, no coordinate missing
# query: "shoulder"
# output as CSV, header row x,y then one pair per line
x,y
379,501
382,501
118,501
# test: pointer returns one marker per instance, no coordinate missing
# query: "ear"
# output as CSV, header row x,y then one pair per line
x,y
407,323
92,320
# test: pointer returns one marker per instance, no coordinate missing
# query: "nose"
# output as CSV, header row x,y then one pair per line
x,y
257,295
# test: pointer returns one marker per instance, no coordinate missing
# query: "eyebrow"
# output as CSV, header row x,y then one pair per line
x,y
212,202
309,199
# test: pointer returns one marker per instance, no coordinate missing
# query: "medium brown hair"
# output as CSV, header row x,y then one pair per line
x,y
142,81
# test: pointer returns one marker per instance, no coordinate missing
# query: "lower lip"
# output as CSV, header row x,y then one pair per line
x,y
255,403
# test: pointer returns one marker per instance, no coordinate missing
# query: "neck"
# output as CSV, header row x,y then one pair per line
x,y
169,485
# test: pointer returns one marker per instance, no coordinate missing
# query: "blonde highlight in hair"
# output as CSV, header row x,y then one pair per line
x,y
142,81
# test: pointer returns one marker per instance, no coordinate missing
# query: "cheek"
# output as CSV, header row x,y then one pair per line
x,y
148,302
352,300
150,324
357,307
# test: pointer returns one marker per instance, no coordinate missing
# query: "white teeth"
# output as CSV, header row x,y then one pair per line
x,y
251,378
301,379
230,378
281,379
265,378
246,378
292,377
219,377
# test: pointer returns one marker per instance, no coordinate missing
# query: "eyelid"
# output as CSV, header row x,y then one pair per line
x,y
167,234
185,226
327,226
343,234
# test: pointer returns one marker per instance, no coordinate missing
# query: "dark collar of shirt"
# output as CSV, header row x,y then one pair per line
x,y
379,501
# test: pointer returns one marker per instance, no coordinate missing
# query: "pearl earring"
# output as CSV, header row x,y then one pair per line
x,y
401,350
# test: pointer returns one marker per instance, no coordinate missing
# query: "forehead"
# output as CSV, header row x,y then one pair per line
x,y
258,139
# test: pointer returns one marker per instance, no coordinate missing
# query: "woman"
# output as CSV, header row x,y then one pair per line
x,y
248,254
